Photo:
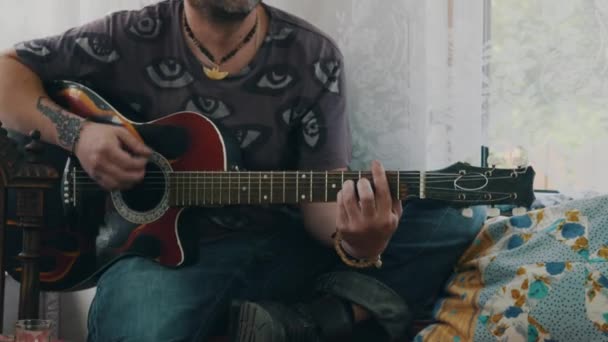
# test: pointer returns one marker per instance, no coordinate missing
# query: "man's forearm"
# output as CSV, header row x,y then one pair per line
x,y
25,106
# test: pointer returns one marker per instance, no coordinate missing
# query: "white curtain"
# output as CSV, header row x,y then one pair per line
x,y
413,67
414,73
549,90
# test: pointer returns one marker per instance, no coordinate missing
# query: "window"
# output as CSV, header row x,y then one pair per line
x,y
548,88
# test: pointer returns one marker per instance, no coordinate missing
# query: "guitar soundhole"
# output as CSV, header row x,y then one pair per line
x,y
146,195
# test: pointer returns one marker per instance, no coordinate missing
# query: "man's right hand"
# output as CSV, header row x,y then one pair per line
x,y
111,155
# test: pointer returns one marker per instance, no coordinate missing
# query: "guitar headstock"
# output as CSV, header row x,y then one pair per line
x,y
464,185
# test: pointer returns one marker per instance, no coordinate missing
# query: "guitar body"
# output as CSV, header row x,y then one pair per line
x,y
80,243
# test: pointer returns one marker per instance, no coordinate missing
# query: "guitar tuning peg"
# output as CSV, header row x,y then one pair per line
x,y
519,211
495,159
493,212
468,213
520,157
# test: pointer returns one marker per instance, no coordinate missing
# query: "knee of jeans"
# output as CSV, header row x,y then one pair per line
x,y
148,326
153,309
431,222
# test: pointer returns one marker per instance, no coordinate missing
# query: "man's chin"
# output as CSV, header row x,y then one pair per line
x,y
221,14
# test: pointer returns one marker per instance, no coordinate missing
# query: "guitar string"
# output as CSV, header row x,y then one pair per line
x,y
315,173
320,177
266,182
305,191
322,173
434,194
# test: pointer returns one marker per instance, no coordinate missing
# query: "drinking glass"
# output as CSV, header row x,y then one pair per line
x,y
33,330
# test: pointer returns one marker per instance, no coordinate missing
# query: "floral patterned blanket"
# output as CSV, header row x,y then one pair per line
x,y
538,277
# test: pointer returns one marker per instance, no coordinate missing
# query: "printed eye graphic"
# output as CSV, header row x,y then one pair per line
x,y
209,106
99,47
37,48
311,130
306,116
283,34
145,28
251,136
273,80
282,38
291,114
328,73
295,111
169,73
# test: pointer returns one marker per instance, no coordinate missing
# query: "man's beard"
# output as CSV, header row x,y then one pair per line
x,y
225,10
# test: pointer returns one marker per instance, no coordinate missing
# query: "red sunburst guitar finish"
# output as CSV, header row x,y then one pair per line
x,y
89,229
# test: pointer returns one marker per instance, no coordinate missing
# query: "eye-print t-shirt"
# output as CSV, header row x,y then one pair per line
x,y
286,109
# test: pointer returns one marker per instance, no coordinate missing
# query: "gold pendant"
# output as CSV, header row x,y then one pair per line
x,y
215,73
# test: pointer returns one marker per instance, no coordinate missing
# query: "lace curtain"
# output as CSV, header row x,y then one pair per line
x,y
414,77
549,90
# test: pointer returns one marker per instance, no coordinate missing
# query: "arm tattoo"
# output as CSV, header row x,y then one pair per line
x,y
68,127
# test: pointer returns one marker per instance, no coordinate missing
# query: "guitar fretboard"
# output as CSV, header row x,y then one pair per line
x,y
233,188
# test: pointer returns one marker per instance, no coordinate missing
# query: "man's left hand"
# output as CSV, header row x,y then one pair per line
x,y
368,222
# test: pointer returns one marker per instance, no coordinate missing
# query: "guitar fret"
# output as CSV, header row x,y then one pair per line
x,y
249,189
311,178
171,190
271,188
326,174
260,188
200,178
398,185
229,188
221,174
239,186
297,187
212,186
422,185
204,177
284,174
265,186
183,197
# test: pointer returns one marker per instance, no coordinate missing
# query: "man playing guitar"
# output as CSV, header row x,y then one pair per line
x,y
276,84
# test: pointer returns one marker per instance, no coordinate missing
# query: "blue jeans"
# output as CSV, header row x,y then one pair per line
x,y
139,300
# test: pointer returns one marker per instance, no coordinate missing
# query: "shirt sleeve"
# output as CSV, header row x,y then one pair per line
x,y
74,54
325,139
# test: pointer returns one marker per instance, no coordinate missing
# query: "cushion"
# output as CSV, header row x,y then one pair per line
x,y
542,276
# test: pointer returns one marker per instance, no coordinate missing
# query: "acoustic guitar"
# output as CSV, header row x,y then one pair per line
x,y
195,164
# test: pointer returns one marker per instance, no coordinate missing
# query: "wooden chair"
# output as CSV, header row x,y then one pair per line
x,y
23,182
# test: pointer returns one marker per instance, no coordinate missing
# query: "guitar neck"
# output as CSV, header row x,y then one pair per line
x,y
457,186
289,187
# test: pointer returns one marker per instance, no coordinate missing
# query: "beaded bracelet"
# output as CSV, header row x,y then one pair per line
x,y
352,262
